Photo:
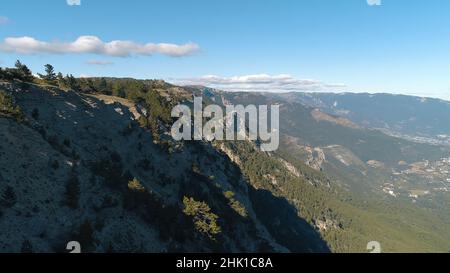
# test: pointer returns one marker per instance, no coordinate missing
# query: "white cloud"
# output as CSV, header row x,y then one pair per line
x,y
74,2
374,2
98,62
94,45
261,82
3,20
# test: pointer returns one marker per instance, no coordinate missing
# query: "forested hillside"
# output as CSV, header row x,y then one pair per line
x,y
92,160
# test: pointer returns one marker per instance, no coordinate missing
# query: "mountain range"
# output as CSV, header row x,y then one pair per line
x,y
92,160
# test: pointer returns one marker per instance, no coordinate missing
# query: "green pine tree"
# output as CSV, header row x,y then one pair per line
x,y
50,75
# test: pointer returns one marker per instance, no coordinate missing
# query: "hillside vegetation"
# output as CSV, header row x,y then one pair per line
x,y
91,159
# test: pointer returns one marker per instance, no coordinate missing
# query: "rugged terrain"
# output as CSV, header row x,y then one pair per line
x,y
96,164
67,170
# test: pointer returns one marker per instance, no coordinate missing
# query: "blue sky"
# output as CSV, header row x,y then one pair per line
x,y
399,46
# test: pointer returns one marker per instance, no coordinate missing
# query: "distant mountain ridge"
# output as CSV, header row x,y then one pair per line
x,y
402,114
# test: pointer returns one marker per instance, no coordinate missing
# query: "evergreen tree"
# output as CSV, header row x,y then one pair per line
x,y
8,74
23,72
85,234
27,247
9,197
61,80
8,108
72,83
103,86
204,220
50,76
72,192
